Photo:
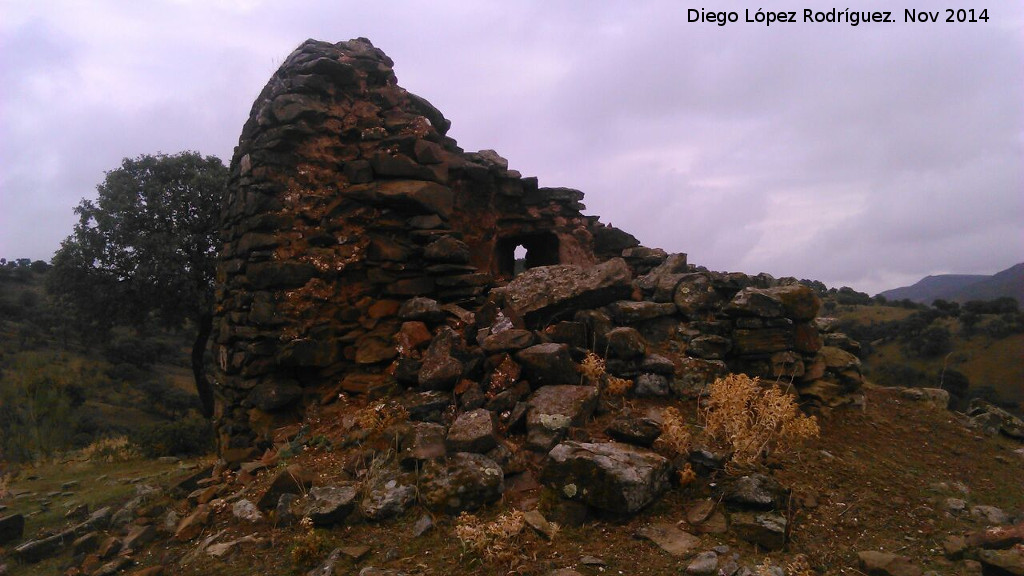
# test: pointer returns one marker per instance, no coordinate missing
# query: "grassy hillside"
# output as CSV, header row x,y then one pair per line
x,y
889,454
64,386
993,365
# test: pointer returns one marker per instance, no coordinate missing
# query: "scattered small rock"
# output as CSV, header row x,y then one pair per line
x,y
887,564
767,530
704,564
246,510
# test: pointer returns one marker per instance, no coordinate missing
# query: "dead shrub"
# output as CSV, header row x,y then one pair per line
x,y
381,415
496,541
754,420
675,438
594,372
592,369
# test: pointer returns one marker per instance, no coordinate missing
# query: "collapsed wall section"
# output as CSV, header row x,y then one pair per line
x,y
346,199
365,253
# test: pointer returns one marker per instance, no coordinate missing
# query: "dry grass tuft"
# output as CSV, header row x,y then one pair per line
x,y
675,438
799,566
496,541
618,386
117,449
592,369
754,420
381,415
687,475
594,372
309,547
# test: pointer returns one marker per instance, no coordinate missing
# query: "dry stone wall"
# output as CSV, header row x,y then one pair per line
x,y
365,253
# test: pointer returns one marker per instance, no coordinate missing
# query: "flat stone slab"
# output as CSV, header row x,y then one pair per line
x,y
671,539
555,409
614,477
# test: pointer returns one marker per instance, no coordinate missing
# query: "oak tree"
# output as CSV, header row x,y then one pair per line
x,y
145,250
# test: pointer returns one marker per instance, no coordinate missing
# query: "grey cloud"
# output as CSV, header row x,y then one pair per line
x,y
859,156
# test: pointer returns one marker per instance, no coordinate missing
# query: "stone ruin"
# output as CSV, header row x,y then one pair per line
x,y
366,255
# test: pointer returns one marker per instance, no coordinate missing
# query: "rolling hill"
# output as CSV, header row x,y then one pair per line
x,y
963,287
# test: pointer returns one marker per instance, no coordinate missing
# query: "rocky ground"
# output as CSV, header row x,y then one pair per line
x,y
895,486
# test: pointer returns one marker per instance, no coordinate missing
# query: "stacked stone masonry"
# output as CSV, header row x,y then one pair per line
x,y
365,253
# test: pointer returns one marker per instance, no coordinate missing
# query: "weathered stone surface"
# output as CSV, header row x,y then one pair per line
x,y
12,528
1000,562
464,482
553,410
537,521
421,309
651,385
631,312
934,397
426,406
613,477
542,293
764,341
658,364
755,302
634,430
246,510
709,347
1002,421
440,369
695,374
387,499
875,563
423,441
671,539
989,515
625,344
424,196
472,431
138,536
547,364
756,491
292,480
275,395
507,340
997,537
37,550
767,530
694,294
799,302
193,524
704,564
447,249
330,505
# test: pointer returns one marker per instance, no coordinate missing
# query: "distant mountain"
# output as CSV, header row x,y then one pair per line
x,y
964,287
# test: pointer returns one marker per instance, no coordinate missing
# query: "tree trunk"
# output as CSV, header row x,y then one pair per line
x,y
203,386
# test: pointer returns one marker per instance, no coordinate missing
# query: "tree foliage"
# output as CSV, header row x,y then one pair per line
x,y
144,250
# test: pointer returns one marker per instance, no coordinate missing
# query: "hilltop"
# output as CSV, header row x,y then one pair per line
x,y
963,287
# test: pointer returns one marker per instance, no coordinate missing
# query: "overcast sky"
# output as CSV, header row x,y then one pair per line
x,y
867,156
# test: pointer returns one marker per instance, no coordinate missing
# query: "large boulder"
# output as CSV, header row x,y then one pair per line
x,y
11,528
463,483
695,294
472,431
329,505
545,364
555,409
542,293
613,477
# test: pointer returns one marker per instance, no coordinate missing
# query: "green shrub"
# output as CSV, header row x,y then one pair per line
x,y
189,436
